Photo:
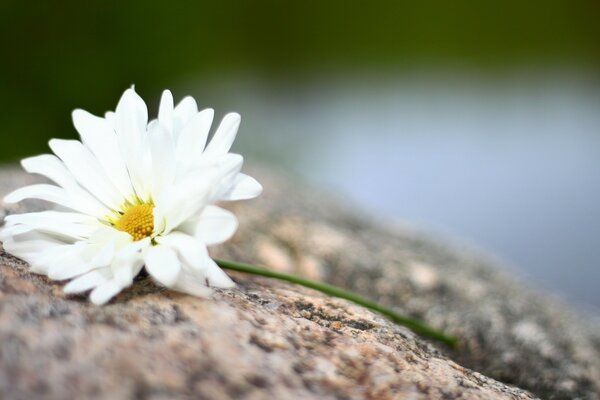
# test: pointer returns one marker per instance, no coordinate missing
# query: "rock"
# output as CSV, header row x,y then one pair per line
x,y
268,339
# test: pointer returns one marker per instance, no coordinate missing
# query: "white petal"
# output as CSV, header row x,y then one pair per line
x,y
68,232
165,110
87,170
192,139
133,248
162,264
50,215
104,292
69,263
184,111
227,167
224,136
88,281
57,223
244,187
128,262
201,188
105,233
131,118
51,193
215,225
70,270
191,250
230,165
128,270
40,262
110,118
50,166
216,277
162,150
18,247
99,136
103,256
38,251
33,236
185,198
192,283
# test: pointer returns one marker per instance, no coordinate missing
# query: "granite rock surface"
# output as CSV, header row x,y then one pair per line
x,y
267,339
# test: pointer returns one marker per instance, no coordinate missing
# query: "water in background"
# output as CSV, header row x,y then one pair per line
x,y
510,165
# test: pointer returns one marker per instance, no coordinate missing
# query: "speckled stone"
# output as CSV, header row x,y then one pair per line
x,y
270,340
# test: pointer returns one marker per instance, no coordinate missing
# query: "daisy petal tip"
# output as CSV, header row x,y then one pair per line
x,y
76,114
104,293
54,275
55,144
217,278
29,162
130,95
222,284
258,189
97,301
82,120
163,265
69,290
234,117
230,284
167,96
11,198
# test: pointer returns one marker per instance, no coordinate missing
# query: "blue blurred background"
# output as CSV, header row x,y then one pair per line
x,y
480,121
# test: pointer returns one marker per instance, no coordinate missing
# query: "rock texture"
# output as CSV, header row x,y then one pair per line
x,y
267,339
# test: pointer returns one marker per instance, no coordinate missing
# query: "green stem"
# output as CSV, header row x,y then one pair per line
x,y
414,324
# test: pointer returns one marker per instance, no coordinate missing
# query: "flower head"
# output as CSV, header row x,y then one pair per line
x,y
133,194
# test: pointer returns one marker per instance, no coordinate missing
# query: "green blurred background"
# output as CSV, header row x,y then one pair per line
x,y
60,55
480,120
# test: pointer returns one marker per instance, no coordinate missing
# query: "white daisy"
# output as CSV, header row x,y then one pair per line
x,y
133,194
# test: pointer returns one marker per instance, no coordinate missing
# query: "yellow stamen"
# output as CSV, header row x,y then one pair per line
x,y
137,220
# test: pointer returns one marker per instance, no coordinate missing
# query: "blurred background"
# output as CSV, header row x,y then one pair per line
x,y
475,120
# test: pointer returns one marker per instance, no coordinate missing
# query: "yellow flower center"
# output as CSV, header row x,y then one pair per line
x,y
137,220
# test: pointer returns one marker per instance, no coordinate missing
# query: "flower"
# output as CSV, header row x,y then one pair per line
x,y
133,194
